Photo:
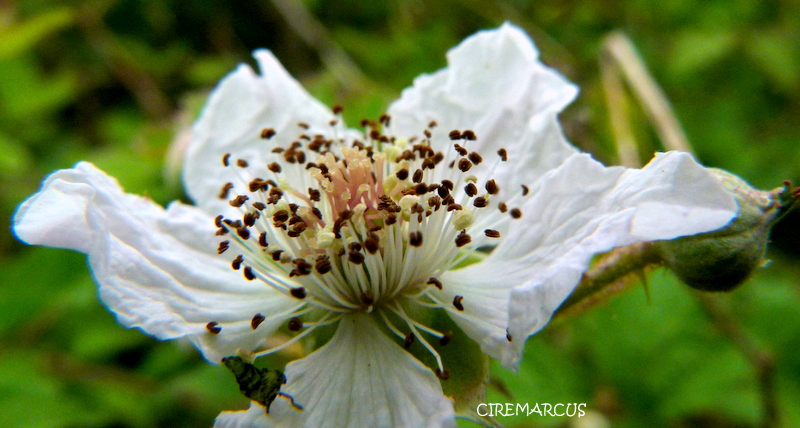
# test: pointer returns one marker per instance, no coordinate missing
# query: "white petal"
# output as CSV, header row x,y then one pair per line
x,y
157,269
241,106
494,85
358,379
583,209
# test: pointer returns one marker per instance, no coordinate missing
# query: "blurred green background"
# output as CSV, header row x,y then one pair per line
x,y
115,82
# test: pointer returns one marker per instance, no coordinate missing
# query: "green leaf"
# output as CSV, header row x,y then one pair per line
x,y
22,36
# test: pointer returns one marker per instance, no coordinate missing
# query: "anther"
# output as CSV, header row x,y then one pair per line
x,y
356,258
238,201
428,163
323,264
502,207
417,176
367,299
457,302
226,159
314,194
259,206
267,133
415,239
427,133
213,327
223,193
503,154
409,340
435,282
248,273
475,158
274,167
480,202
218,220
442,374
243,233
508,336
276,255
516,213
421,189
372,243
491,233
525,190
452,207
432,124
469,135
463,239
402,174
303,125
249,219
223,246
491,187
455,134
464,165
471,189
280,216
256,321
337,109
236,264
461,151
445,339
299,292
295,324
262,239
241,163
385,119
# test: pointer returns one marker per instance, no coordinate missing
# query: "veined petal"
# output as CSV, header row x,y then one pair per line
x,y
157,269
358,379
241,106
583,209
494,85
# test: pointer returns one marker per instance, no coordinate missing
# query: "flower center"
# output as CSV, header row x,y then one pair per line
x,y
369,225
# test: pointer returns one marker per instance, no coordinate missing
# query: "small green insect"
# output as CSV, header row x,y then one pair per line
x,y
259,385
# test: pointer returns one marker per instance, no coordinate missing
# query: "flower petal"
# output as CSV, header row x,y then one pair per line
x,y
580,210
157,269
241,106
358,379
494,85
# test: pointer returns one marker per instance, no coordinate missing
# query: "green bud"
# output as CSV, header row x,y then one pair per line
x,y
723,259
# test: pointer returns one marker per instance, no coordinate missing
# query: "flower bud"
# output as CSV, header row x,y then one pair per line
x,y
723,259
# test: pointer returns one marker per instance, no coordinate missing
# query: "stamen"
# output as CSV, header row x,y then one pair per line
x,y
213,327
257,320
267,133
457,302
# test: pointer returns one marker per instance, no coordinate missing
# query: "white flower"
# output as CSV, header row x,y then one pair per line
x,y
311,223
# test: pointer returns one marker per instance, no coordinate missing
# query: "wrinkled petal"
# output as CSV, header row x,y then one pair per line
x,y
358,379
157,269
241,106
494,85
579,210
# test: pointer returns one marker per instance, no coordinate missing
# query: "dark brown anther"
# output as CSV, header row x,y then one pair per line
x,y
223,192
243,233
385,119
295,324
248,273
508,336
337,109
333,122
525,190
491,233
298,293
213,327
375,134
491,187
503,154
249,219
257,184
259,206
461,151
390,219
303,268
226,159
367,299
274,167
317,213
435,282
280,216
421,189
409,340
453,207
455,134
475,158
402,174
480,202
435,202
457,302
437,158
236,264
372,243
218,220
516,213
443,375
221,231
355,258
276,255
445,339
428,163
463,238
299,227
432,124
354,246
322,264
241,163
447,184
303,125
314,195
262,240
277,150
502,207
256,321
417,176
464,165
415,239
267,133
427,133
223,246
300,156
471,189
238,201
469,135
364,123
